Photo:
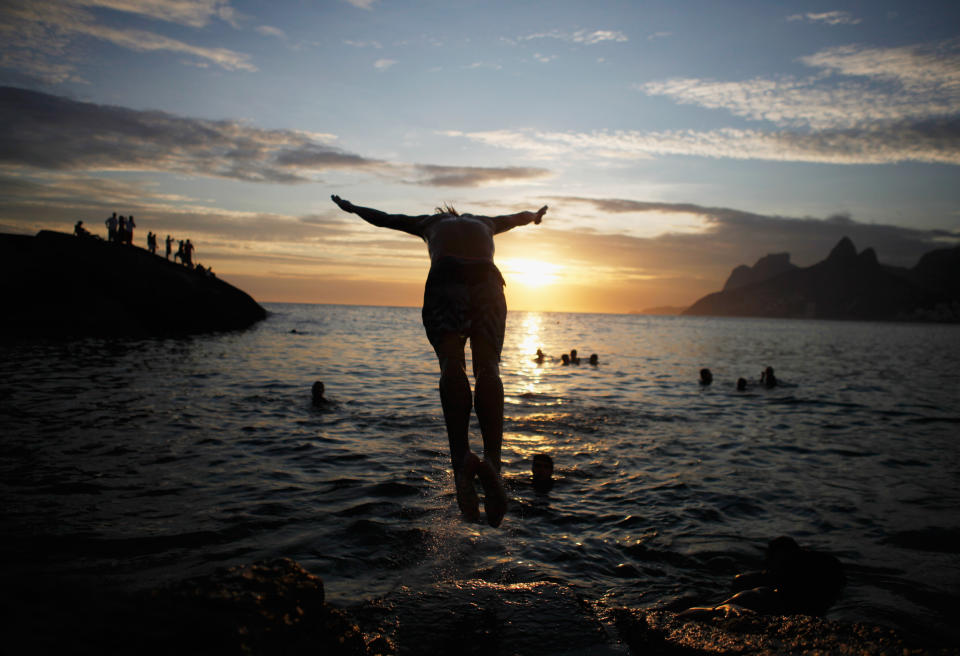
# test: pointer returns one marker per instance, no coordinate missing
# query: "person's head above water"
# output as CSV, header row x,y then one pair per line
x,y
565,358
705,377
768,378
542,471
741,384
317,391
594,359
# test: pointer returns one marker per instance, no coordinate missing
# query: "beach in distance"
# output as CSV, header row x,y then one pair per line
x,y
135,462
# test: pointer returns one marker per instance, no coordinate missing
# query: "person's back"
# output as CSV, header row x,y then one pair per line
x,y
462,236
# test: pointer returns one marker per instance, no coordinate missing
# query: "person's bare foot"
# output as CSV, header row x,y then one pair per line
x,y
467,497
495,497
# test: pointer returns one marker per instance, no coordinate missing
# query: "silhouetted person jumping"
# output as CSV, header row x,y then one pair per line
x,y
463,297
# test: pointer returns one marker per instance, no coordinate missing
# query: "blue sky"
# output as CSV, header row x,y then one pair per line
x,y
672,141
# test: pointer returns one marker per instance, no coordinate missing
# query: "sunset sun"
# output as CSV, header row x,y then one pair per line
x,y
532,273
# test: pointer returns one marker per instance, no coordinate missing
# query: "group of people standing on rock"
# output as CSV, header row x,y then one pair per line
x,y
120,230
184,251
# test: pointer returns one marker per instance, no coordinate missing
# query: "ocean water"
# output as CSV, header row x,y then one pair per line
x,y
136,462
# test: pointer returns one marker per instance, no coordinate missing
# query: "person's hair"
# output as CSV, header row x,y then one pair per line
x,y
446,209
544,458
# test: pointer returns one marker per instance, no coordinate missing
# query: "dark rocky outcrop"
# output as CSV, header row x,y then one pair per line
x,y
268,607
56,284
766,267
846,285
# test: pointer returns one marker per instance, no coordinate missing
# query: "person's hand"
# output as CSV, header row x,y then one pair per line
x,y
539,215
345,205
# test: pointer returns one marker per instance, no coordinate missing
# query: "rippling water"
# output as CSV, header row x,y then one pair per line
x,y
139,461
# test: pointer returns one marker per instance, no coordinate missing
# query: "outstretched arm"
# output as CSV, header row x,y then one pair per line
x,y
509,221
409,224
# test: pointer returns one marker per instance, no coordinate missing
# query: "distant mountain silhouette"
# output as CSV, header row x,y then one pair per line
x,y
766,267
55,284
846,285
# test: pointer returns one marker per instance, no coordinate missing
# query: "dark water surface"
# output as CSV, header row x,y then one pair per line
x,y
135,462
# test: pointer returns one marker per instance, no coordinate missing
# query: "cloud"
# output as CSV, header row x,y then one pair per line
x,y
582,37
384,64
38,37
362,44
934,141
194,13
924,69
889,105
734,237
51,133
269,30
889,84
362,4
475,176
828,18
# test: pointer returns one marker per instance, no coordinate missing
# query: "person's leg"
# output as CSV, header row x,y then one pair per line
x,y
456,401
488,398
489,405
455,397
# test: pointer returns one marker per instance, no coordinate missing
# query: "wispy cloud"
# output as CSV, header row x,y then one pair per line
x,y
269,30
47,132
827,17
930,141
384,64
582,37
475,176
362,4
890,84
194,13
864,106
38,37
362,44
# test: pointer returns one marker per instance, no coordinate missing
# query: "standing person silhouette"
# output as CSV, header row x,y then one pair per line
x,y
463,297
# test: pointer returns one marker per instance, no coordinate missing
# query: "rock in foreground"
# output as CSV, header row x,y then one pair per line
x,y
56,284
278,607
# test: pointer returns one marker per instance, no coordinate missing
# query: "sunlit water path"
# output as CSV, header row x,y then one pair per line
x,y
140,461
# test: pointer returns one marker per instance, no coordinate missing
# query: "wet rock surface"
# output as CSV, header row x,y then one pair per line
x,y
479,617
278,607
663,633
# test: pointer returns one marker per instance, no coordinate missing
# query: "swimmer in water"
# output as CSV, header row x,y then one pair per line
x,y
767,378
705,377
542,472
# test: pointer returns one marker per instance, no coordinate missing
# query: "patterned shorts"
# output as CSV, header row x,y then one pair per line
x,y
464,298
